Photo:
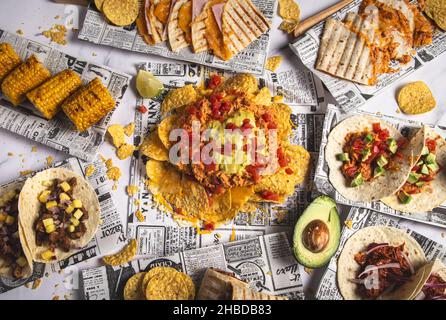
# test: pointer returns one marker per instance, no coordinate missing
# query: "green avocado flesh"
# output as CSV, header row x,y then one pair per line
x,y
313,248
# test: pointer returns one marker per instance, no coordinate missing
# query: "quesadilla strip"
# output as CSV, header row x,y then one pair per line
x,y
198,26
179,26
158,17
143,23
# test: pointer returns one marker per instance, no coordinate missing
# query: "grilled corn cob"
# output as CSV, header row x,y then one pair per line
x,y
88,105
49,96
23,79
9,59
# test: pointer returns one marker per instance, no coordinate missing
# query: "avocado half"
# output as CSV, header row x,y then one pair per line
x,y
317,233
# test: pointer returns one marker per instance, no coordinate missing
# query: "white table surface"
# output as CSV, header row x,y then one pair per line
x,y
29,15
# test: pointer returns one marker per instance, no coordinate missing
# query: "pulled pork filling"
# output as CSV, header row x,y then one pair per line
x,y
61,217
435,288
382,267
369,154
424,171
11,251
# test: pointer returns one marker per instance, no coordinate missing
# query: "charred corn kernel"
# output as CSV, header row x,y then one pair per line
x,y
50,228
48,222
74,221
88,105
9,60
9,220
64,197
51,204
65,186
78,214
48,97
27,76
44,196
21,262
3,217
69,209
71,228
77,203
46,183
47,255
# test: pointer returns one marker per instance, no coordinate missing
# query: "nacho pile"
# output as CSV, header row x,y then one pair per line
x,y
242,154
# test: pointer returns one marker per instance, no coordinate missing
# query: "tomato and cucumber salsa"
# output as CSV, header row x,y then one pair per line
x,y
424,171
367,155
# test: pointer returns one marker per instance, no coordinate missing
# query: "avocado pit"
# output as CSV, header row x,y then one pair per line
x,y
315,236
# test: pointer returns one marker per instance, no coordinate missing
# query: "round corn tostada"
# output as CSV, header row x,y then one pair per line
x,y
59,214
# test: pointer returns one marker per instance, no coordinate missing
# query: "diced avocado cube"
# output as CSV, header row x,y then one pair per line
x,y
425,151
47,255
51,204
77,203
368,138
21,261
393,146
71,228
366,154
378,171
78,214
433,166
50,228
413,177
48,222
404,197
343,157
69,209
357,180
424,169
74,221
9,220
382,161
44,196
419,184
431,158
63,197
65,186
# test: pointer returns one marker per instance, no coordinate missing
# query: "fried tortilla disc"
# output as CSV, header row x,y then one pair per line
x,y
241,83
288,26
189,284
165,127
273,63
121,12
99,4
132,289
263,97
178,98
153,148
148,276
167,284
124,256
289,10
283,183
416,98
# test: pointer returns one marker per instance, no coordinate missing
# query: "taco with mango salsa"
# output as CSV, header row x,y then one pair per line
x,y
425,187
59,214
368,158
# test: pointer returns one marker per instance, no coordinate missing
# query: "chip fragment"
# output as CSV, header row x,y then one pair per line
x,y
132,289
273,63
179,97
124,256
117,135
289,10
416,98
125,151
121,12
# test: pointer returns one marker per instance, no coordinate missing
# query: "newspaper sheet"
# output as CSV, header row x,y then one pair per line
x,y
332,118
159,234
362,218
111,233
265,262
96,29
59,133
351,95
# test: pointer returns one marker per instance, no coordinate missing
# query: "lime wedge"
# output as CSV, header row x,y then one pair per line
x,y
148,85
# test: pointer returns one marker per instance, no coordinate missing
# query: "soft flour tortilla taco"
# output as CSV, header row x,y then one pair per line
x,y
59,214
429,283
425,188
376,261
15,260
368,158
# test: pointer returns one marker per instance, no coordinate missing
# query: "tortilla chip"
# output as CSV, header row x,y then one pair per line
x,y
416,98
281,114
243,82
273,63
121,12
288,26
436,10
164,129
132,289
178,98
125,151
167,284
122,257
117,135
289,10
153,148
263,97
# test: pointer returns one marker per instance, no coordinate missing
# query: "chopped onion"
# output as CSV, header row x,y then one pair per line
x,y
371,268
443,297
420,296
412,269
435,285
357,281
380,245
